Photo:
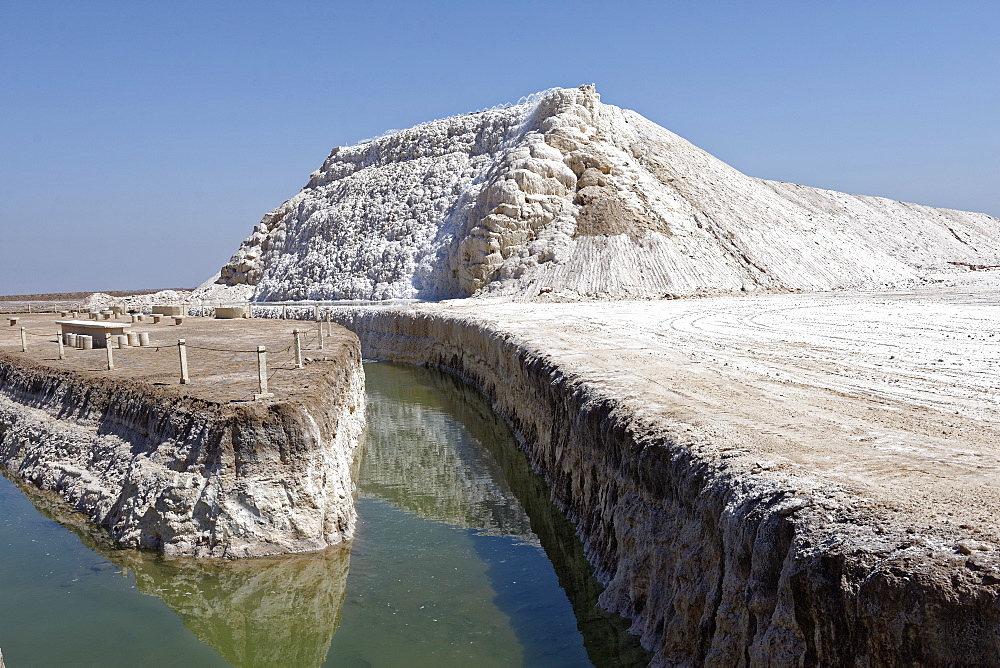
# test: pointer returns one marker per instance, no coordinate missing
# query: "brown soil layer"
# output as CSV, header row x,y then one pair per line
x,y
222,357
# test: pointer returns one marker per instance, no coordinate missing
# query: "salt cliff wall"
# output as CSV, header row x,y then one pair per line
x,y
171,472
712,564
565,196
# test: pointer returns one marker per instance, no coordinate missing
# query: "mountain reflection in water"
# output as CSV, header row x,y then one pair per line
x,y
437,448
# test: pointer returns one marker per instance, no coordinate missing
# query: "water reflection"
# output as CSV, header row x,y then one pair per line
x,y
426,453
460,576
473,475
270,611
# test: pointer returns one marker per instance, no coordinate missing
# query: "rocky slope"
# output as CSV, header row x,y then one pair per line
x,y
564,196
183,475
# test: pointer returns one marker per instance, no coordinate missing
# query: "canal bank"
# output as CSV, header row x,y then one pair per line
x,y
459,558
788,514
195,469
789,478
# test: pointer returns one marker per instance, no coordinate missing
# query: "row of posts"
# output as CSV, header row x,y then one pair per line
x,y
85,342
262,392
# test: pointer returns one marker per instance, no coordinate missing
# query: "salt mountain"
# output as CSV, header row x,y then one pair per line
x,y
564,196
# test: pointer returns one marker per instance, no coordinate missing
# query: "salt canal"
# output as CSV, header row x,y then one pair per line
x,y
459,559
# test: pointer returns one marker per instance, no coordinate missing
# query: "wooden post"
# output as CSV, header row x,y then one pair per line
x,y
319,326
59,338
262,374
182,349
316,310
24,340
111,357
284,311
298,349
329,324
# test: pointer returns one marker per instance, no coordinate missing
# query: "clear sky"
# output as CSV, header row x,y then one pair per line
x,y
140,141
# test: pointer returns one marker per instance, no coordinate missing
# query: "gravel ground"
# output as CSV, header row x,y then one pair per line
x,y
222,357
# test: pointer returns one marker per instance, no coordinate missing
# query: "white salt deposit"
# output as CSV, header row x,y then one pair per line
x,y
102,300
564,197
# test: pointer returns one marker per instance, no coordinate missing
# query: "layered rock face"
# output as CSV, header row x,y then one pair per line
x,y
714,566
566,196
183,475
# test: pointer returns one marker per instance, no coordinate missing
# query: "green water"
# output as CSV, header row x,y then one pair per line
x,y
459,560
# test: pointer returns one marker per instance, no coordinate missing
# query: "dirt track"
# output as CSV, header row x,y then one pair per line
x,y
889,402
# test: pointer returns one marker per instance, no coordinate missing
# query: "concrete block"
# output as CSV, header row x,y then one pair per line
x,y
96,330
169,309
231,312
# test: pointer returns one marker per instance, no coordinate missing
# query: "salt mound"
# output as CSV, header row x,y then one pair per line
x,y
102,300
565,196
98,300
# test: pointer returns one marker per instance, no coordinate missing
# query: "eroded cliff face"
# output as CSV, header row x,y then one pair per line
x,y
171,472
712,564
564,196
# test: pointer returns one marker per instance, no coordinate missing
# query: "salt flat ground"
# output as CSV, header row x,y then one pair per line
x,y
891,398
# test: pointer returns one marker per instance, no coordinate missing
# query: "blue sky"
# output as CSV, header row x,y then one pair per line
x,y
140,142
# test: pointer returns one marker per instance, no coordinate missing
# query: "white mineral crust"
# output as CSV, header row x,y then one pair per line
x,y
570,198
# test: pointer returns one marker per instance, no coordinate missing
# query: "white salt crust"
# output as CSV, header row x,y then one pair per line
x,y
565,197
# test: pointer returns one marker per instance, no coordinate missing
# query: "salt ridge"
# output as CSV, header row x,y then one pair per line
x,y
564,197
